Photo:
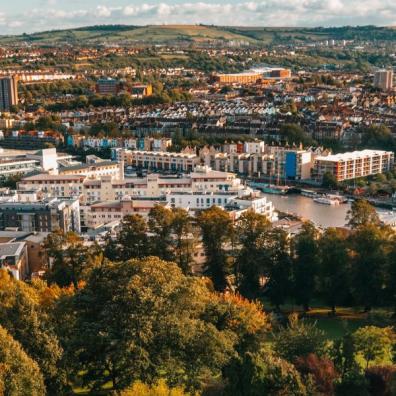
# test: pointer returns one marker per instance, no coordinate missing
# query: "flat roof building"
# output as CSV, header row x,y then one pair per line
x,y
354,164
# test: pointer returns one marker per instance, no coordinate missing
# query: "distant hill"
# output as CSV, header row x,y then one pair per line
x,y
162,34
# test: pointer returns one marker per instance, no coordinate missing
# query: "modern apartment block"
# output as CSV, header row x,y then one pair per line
x,y
41,216
107,86
239,78
383,79
352,165
8,92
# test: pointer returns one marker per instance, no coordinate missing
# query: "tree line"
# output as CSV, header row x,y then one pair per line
x,y
131,318
341,267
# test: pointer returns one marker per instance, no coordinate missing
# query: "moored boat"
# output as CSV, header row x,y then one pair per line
x,y
326,201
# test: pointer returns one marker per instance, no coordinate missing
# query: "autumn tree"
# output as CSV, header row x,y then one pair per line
x,y
320,369
24,315
19,374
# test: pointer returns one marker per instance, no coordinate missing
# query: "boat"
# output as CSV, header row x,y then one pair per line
x,y
340,198
309,193
272,189
326,201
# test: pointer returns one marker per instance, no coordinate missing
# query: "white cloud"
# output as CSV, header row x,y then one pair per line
x,y
258,13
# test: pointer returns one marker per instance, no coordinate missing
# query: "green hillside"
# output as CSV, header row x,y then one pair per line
x,y
198,33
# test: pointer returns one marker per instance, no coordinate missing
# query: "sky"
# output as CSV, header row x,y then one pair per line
x,y
27,16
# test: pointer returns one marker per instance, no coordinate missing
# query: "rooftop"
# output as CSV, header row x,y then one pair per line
x,y
352,155
11,249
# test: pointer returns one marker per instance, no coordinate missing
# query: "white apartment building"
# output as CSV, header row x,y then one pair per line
x,y
102,213
94,170
54,185
108,188
354,164
161,160
234,202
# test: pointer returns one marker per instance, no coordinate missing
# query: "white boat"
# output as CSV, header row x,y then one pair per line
x,y
309,193
326,201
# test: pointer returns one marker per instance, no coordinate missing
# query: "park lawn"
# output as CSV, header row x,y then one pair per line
x,y
346,319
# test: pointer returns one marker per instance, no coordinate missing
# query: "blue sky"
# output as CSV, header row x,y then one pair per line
x,y
18,16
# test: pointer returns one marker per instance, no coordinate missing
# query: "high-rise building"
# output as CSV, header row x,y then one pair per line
x,y
383,79
107,86
8,92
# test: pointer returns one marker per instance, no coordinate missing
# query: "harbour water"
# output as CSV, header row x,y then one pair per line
x,y
321,215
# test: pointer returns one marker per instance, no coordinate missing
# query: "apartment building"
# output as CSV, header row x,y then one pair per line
x,y
95,169
238,78
354,164
166,161
8,92
54,185
41,216
383,79
105,212
108,86
233,201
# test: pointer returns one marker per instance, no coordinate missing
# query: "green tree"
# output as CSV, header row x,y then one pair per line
x,y
252,231
334,275
305,264
145,320
362,213
378,137
19,374
294,133
71,260
390,275
298,339
132,240
329,181
370,246
160,221
374,344
216,228
343,354
262,373
279,284
184,239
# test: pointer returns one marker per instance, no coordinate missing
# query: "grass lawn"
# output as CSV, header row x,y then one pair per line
x,y
346,319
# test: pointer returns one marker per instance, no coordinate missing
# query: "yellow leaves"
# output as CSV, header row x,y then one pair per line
x,y
244,315
158,389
